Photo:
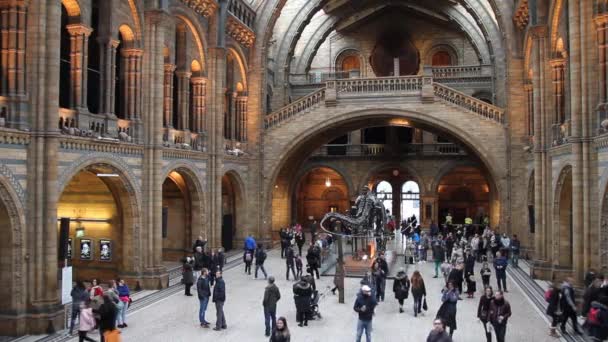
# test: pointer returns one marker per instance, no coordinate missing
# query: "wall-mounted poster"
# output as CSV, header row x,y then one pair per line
x,y
69,249
86,249
105,250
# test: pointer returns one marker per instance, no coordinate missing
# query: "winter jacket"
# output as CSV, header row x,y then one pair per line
x,y
107,313
87,320
483,309
187,276
203,288
499,308
515,245
198,261
369,302
250,243
592,294
260,256
500,265
123,291
438,252
598,331
219,290
554,302
401,286
279,337
567,301
302,295
289,256
435,336
271,297
79,295
418,292
447,310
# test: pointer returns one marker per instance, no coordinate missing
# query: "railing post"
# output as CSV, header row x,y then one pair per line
x,y
331,94
427,94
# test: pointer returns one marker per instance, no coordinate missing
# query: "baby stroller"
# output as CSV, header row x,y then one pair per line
x,y
313,310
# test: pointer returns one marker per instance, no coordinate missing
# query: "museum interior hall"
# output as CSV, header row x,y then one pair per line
x,y
132,131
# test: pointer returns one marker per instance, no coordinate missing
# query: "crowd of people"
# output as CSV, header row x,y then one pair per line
x,y
99,307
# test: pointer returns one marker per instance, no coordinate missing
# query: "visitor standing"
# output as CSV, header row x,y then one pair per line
x,y
219,298
401,287
378,275
300,240
438,334
260,257
418,292
271,297
313,260
198,261
515,246
447,311
79,295
339,278
438,256
281,333
107,316
456,277
500,266
486,273
483,311
290,261
364,306
187,275
302,295
500,311
221,259
204,292
596,323
568,306
200,242
469,274
124,295
299,267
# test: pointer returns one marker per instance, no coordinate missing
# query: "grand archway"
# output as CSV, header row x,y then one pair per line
x,y
464,191
232,209
319,191
97,210
562,220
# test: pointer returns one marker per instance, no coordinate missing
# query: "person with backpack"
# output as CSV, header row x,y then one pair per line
x,y
568,306
592,294
552,297
260,257
401,287
248,258
597,320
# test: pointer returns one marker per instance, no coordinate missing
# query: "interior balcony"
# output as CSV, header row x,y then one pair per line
x,y
388,150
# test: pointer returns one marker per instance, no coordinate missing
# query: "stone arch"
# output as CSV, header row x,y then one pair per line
x,y
196,31
72,7
127,33
12,254
241,61
345,53
391,165
136,18
554,22
443,47
315,165
233,195
562,236
194,186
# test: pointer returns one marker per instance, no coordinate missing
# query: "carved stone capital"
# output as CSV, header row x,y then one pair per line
x,y
240,32
199,80
132,52
78,30
205,8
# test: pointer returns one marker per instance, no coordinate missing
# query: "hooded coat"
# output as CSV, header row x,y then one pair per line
x,y
302,295
401,285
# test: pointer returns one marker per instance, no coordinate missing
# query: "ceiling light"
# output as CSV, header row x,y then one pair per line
x,y
327,182
108,175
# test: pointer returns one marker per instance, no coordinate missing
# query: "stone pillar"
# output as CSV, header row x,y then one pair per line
x,y
79,47
183,99
132,79
431,199
13,24
601,23
232,119
354,137
558,67
241,117
198,103
168,95
529,90
108,74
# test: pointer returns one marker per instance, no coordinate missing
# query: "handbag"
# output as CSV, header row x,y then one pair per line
x,y
424,306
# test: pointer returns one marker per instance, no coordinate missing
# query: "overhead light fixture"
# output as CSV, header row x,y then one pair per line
x,y
327,182
80,231
108,175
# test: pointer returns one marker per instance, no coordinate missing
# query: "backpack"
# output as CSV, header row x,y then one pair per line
x,y
548,294
247,256
261,256
593,317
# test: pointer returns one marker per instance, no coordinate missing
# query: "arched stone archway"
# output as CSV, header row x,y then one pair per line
x,y
563,234
232,211
12,252
101,203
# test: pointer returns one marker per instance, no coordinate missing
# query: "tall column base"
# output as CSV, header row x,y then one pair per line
x,y
156,279
40,320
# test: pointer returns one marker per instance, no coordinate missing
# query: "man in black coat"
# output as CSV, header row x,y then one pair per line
x,y
271,297
290,262
204,292
260,257
219,298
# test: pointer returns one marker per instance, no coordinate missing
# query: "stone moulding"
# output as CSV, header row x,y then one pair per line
x,y
240,32
206,8
13,137
601,142
172,153
114,147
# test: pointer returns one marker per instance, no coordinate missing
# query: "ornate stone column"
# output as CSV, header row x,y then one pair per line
x,y
79,47
241,117
132,78
558,66
529,89
108,67
601,25
232,120
183,99
199,85
13,24
168,95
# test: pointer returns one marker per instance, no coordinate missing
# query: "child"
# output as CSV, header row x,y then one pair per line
x,y
87,322
298,267
485,274
248,258
471,286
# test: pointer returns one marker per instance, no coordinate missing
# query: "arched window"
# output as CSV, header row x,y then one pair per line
x,y
350,63
384,192
441,58
410,200
64,62
93,66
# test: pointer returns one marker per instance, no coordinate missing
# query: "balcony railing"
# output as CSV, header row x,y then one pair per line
x,y
183,139
372,86
242,12
382,150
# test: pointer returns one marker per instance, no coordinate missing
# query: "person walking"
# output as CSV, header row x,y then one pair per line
x,y
438,256
401,287
107,316
313,260
300,240
79,295
486,273
378,275
219,298
568,306
86,322
596,323
187,276
124,295
500,266
271,297
469,274
483,311
302,295
250,244
260,257
447,311
289,261
365,305
500,311
438,334
418,292
281,333
204,292
456,277
199,259
248,259
515,246
552,296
